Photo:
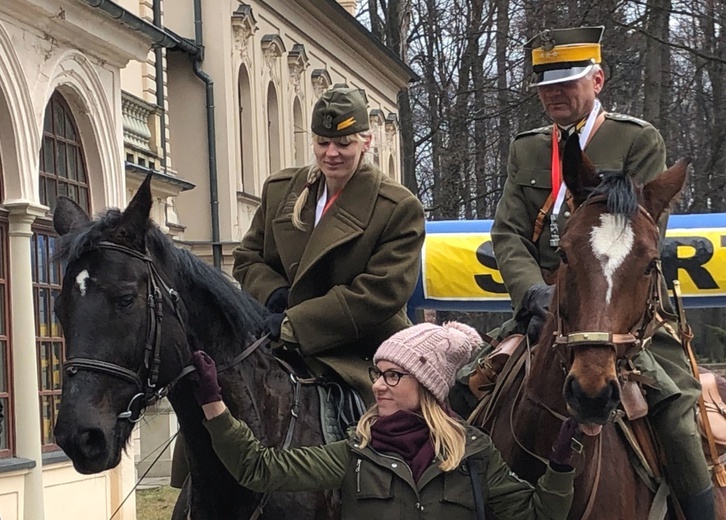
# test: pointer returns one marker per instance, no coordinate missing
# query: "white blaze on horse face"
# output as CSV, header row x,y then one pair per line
x,y
81,280
611,242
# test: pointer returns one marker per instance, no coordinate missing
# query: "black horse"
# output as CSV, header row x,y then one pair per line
x,y
131,306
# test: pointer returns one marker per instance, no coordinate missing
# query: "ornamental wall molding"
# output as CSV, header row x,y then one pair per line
x,y
244,26
297,62
321,81
272,49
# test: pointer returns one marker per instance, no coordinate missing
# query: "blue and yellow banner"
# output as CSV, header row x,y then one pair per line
x,y
459,271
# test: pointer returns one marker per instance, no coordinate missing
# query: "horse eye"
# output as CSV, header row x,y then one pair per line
x,y
562,255
125,301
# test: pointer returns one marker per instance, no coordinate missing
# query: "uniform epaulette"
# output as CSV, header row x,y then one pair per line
x,y
393,191
624,117
283,175
541,130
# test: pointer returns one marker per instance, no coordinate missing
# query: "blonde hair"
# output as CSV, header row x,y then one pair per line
x,y
314,174
447,434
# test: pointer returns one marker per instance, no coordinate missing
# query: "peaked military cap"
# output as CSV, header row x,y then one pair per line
x,y
560,55
340,111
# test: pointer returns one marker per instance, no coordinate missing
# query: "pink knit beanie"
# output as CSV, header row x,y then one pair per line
x,y
432,353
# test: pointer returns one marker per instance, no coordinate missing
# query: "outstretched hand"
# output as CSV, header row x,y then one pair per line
x,y
562,449
206,386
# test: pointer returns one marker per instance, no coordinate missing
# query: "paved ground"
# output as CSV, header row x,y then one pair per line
x,y
153,482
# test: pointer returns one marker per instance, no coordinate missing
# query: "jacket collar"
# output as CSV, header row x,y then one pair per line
x,y
476,442
344,221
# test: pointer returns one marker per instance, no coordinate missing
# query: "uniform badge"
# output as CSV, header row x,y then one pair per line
x,y
328,121
548,43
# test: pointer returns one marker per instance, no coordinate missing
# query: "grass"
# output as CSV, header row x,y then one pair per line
x,y
155,504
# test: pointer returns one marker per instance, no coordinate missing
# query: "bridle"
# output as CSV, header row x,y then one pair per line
x,y
625,344
146,378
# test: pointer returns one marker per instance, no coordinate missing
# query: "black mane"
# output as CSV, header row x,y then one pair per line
x,y
622,199
243,314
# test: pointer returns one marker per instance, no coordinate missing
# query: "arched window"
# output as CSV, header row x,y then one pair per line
x,y
245,132
300,136
391,167
274,150
62,172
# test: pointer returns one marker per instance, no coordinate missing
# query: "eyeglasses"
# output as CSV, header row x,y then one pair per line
x,y
391,377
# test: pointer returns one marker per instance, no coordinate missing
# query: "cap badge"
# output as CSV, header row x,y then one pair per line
x,y
328,121
548,43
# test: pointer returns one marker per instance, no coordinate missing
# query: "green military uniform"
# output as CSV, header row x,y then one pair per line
x,y
349,274
349,277
621,143
375,485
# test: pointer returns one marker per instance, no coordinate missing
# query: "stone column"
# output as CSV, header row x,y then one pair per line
x,y
25,355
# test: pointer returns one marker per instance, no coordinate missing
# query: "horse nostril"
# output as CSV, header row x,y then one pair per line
x,y
92,443
614,391
571,387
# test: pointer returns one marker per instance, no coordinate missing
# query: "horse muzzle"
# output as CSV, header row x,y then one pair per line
x,y
591,408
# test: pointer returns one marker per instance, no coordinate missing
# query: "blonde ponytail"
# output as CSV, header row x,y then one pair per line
x,y
312,178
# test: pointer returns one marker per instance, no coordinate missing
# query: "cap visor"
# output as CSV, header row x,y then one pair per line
x,y
551,77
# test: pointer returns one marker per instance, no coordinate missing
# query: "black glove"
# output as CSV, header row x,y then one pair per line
x,y
274,325
538,298
278,300
569,436
206,386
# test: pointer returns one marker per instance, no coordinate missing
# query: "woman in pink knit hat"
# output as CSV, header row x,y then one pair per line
x,y
409,456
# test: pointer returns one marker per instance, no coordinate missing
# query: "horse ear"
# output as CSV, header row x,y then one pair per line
x,y
578,172
660,192
68,216
134,221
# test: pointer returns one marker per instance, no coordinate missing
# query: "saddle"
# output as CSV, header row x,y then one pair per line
x,y
715,408
341,406
488,367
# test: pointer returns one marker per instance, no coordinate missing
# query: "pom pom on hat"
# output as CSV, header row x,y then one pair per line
x,y
431,353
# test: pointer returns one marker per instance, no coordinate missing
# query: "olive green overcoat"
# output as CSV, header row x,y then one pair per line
x,y
349,277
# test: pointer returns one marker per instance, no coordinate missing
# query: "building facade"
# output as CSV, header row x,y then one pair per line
x,y
210,97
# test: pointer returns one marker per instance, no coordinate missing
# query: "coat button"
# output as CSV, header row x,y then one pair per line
x,y
533,182
394,465
566,214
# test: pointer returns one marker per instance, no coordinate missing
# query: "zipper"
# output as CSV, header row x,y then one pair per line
x,y
357,474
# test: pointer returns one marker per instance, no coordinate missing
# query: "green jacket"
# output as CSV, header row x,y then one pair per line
x,y
349,277
622,143
374,485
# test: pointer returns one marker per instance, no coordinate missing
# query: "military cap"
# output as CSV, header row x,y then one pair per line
x,y
340,111
560,55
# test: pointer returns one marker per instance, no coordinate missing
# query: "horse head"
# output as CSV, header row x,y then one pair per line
x,y
111,308
608,285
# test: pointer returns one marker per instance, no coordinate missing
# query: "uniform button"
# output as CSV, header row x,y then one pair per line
x,y
394,465
417,506
566,214
356,445
533,182
473,437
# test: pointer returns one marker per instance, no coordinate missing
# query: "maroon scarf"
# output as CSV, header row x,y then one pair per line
x,y
407,435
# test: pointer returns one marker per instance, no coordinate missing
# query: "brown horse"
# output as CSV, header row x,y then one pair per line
x,y
605,304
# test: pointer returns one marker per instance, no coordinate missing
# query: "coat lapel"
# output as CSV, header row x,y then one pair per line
x,y
345,220
290,241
